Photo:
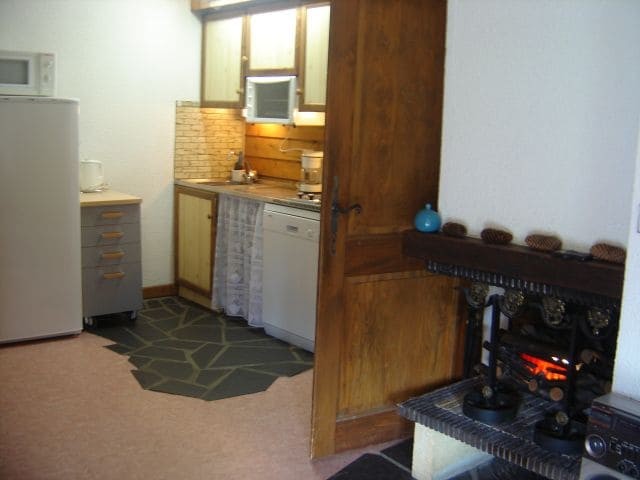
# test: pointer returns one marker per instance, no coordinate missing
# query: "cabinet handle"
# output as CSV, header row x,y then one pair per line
x,y
112,214
240,91
112,275
112,255
244,58
112,235
209,216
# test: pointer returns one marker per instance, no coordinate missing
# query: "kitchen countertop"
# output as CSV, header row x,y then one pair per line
x,y
263,191
107,197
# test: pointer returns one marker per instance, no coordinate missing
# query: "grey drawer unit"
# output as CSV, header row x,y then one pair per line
x,y
110,234
111,260
111,254
111,289
110,215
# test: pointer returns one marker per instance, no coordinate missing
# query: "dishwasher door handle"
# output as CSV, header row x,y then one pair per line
x,y
292,229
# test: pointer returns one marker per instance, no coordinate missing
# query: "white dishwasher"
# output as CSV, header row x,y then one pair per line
x,y
290,273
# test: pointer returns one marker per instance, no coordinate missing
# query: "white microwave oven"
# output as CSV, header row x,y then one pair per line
x,y
27,73
271,99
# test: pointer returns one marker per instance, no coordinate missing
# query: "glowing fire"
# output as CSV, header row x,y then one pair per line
x,y
550,370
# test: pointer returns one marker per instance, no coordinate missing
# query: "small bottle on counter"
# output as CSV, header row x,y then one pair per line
x,y
240,162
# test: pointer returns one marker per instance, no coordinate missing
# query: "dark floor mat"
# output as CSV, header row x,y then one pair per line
x,y
371,467
401,453
183,349
498,469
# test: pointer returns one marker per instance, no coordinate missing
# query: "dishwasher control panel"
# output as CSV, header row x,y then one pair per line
x,y
292,221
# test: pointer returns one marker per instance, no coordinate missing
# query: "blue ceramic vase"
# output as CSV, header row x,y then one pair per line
x,y
427,220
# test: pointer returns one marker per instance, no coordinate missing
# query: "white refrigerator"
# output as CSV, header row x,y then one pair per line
x,y
40,266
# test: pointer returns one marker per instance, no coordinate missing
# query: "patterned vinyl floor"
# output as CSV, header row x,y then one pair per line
x,y
180,348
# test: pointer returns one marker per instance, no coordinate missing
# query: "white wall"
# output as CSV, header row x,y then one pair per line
x,y
540,117
625,377
128,62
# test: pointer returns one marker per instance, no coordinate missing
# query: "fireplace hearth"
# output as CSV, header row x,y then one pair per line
x,y
553,327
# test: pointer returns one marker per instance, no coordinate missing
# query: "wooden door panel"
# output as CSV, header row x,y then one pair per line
x,y
385,329
373,254
397,139
388,320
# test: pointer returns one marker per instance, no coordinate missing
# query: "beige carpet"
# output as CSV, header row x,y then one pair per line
x,y
70,409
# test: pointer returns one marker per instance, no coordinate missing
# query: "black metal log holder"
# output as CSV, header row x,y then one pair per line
x,y
492,403
561,431
495,402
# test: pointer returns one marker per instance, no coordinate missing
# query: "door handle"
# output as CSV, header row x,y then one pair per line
x,y
336,211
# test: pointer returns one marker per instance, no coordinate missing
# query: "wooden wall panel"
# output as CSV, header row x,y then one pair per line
x,y
399,339
263,143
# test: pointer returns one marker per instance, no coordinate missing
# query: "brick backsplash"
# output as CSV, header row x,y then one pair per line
x,y
204,138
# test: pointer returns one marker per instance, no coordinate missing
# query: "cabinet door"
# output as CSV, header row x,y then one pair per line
x,y
314,58
195,241
222,63
272,42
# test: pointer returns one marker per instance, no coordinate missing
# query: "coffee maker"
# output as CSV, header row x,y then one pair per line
x,y
310,184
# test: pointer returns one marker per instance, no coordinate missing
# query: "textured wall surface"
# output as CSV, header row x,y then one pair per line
x,y
626,379
127,63
207,140
540,117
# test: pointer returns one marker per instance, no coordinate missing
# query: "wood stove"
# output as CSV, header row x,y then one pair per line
x,y
553,328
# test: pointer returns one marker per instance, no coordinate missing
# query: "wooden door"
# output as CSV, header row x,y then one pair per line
x,y
386,330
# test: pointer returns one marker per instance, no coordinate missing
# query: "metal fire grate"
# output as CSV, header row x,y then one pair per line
x,y
441,410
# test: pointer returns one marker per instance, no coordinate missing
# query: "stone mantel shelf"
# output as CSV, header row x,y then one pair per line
x,y
515,262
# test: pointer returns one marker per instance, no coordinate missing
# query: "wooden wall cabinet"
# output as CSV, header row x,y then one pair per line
x,y
292,41
222,62
273,43
195,231
314,56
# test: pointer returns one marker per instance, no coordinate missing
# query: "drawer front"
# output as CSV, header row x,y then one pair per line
x,y
111,289
110,234
110,215
110,255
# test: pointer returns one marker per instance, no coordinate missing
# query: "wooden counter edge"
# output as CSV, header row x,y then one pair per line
x,y
109,197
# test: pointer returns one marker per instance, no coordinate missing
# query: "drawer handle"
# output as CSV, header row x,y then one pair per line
x,y
112,275
112,255
114,214
112,234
